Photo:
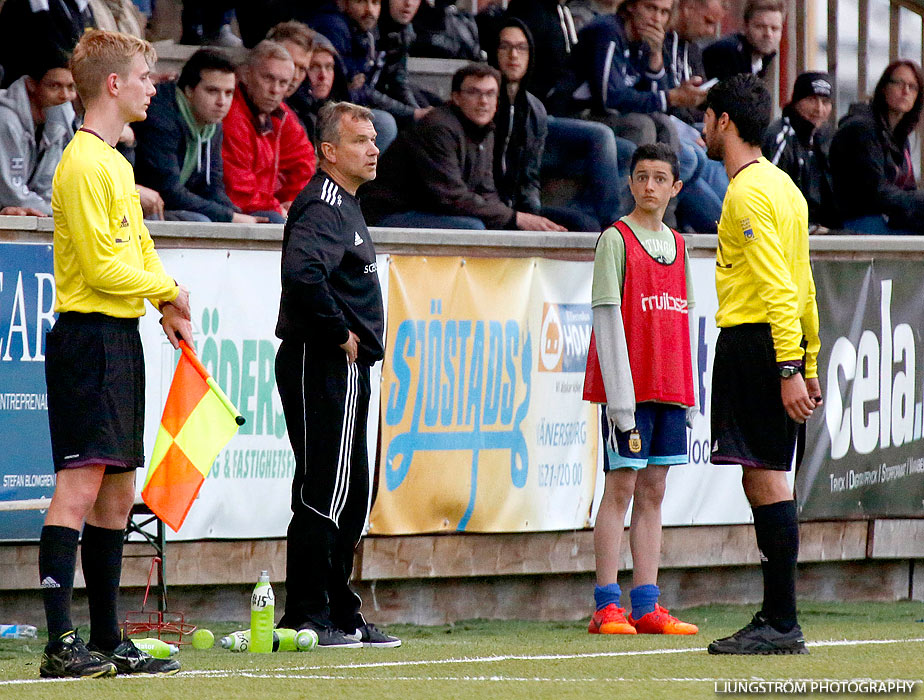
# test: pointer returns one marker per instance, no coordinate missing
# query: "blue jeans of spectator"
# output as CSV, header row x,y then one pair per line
x,y
182,215
572,219
587,151
875,225
274,216
699,205
422,219
386,129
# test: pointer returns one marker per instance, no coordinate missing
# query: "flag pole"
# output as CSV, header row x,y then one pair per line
x,y
213,385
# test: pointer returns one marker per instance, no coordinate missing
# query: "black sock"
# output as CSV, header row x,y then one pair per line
x,y
777,530
101,557
57,561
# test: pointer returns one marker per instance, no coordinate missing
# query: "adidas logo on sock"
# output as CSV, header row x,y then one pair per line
x,y
49,582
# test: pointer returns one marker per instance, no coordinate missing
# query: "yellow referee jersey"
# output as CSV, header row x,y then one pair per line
x,y
104,257
762,272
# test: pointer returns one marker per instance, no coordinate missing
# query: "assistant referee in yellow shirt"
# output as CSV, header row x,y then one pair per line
x,y
764,378
105,267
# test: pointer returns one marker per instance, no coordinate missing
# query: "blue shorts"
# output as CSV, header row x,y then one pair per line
x,y
663,432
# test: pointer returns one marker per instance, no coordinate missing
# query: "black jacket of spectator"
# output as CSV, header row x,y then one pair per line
x,y
520,130
872,172
796,147
444,31
683,60
616,69
552,27
732,55
162,143
305,105
394,46
26,32
443,165
357,48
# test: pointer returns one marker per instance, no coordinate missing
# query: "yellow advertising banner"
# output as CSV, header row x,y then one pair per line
x,y
483,428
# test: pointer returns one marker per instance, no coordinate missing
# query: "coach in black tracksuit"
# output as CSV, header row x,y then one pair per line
x,y
331,326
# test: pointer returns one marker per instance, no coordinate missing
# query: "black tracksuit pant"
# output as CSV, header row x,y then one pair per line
x,y
325,400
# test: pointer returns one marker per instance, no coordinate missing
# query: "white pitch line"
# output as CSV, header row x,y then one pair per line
x,y
288,671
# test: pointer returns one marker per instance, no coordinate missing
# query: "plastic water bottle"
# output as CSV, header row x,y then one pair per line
x,y
236,641
157,648
262,616
283,640
306,640
18,632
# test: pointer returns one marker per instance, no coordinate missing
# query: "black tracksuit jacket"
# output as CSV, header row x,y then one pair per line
x,y
329,280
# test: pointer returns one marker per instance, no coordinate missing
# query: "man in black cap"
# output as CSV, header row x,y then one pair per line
x,y
799,143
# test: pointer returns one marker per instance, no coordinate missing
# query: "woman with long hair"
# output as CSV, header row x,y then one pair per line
x,y
874,182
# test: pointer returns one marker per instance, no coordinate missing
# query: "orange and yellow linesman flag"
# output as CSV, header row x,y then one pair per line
x,y
198,422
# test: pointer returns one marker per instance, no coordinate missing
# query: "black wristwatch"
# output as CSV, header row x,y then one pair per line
x,y
787,371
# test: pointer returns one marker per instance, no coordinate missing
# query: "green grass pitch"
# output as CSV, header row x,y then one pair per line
x,y
516,659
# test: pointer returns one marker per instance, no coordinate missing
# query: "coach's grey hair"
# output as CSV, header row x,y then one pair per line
x,y
266,50
330,116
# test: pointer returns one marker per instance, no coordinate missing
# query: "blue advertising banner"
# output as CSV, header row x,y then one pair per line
x,y
27,295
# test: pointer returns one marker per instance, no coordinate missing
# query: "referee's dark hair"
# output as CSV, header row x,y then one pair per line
x,y
202,60
746,101
656,151
329,118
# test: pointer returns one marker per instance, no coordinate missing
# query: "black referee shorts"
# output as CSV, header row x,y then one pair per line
x,y
94,370
750,425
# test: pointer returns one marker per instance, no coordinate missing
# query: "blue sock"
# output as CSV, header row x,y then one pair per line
x,y
604,595
644,599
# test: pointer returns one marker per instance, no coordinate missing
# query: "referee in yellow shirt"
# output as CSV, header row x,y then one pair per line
x,y
105,267
764,379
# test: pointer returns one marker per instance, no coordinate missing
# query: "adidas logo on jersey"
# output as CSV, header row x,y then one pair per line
x,y
49,582
330,193
357,240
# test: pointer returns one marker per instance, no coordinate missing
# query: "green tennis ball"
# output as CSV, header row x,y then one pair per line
x,y
203,639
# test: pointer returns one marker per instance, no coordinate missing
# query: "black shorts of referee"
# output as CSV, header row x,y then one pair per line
x,y
750,425
94,370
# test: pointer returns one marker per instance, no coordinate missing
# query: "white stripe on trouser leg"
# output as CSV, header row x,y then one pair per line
x,y
341,486
350,431
346,442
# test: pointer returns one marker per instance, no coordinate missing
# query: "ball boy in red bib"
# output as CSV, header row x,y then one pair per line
x,y
640,367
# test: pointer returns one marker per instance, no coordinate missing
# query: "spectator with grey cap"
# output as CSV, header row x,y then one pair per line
x,y
799,143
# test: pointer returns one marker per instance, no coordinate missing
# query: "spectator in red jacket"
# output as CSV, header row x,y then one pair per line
x,y
267,156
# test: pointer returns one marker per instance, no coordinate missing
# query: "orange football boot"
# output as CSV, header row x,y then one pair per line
x,y
610,620
660,621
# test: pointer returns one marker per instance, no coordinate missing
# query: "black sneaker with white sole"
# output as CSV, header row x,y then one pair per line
x,y
372,636
759,637
330,637
130,660
68,657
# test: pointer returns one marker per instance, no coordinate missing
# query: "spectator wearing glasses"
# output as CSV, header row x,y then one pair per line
x,y
267,156
874,184
521,126
439,174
